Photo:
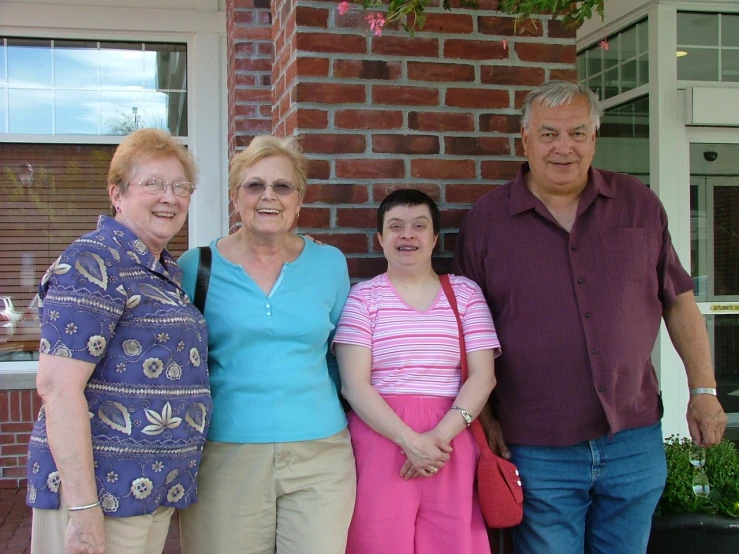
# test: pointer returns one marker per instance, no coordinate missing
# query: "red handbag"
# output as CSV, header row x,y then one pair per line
x,y
498,482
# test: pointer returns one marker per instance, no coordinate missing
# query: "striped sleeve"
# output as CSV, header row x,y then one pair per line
x,y
355,326
477,323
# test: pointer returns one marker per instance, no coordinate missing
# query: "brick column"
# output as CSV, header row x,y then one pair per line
x,y
437,112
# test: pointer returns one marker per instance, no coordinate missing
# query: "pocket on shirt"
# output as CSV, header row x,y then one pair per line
x,y
626,254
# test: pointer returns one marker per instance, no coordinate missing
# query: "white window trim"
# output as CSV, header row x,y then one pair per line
x,y
204,31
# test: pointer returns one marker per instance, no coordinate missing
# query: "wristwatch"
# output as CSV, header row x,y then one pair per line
x,y
465,415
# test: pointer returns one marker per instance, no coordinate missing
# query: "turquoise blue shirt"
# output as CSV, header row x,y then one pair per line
x,y
269,375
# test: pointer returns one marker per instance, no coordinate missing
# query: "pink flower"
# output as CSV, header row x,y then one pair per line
x,y
343,7
603,44
505,44
376,22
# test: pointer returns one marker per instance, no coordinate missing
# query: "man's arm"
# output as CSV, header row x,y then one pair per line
x,y
706,417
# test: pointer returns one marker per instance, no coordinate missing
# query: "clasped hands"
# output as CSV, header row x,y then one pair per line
x,y
426,453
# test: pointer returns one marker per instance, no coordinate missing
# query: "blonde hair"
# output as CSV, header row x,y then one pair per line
x,y
265,146
144,145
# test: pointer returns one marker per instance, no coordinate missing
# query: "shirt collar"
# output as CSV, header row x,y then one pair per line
x,y
523,200
138,251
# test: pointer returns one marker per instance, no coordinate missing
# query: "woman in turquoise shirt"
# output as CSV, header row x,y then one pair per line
x,y
278,472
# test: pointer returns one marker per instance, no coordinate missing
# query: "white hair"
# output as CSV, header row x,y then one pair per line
x,y
558,93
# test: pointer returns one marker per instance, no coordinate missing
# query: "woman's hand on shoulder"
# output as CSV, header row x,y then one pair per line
x,y
85,532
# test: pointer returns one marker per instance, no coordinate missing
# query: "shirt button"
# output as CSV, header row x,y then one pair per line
x,y
593,351
573,247
580,281
587,315
601,389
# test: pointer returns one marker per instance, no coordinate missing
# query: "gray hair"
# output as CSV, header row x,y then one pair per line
x,y
557,93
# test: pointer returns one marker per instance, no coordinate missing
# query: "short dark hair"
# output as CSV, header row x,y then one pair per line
x,y
408,197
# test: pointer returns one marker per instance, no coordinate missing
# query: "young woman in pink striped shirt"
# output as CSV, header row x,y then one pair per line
x,y
397,346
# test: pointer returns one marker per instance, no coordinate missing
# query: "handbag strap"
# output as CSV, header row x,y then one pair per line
x,y
203,278
475,427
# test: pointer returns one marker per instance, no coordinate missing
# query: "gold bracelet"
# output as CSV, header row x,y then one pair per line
x,y
85,507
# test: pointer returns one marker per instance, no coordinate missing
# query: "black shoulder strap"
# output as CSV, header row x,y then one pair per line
x,y
203,278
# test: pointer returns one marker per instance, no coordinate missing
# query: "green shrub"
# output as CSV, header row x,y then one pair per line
x,y
722,469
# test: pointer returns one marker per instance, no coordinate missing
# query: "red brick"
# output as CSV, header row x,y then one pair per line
x,y
381,190
10,461
13,472
15,406
507,75
311,17
466,194
557,30
477,146
405,144
329,93
361,218
253,33
443,169
406,96
441,264
309,119
498,123
312,67
243,17
4,405
255,64
518,148
329,42
563,74
441,121
253,95
265,110
442,72
446,23
319,169
368,119
13,449
370,169
367,69
545,53
496,170
336,194
348,243
257,125
243,110
333,144
25,399
314,218
490,5
24,427
518,98
508,26
477,98
366,268
450,241
452,218
406,47
7,438
474,49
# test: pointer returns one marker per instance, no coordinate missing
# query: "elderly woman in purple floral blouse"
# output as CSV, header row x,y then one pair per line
x,y
122,370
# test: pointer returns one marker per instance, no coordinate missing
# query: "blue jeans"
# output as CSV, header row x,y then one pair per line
x,y
595,497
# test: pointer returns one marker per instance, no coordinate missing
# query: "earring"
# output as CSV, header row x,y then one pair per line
x,y
118,208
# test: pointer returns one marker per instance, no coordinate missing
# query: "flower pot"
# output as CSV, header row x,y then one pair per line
x,y
694,534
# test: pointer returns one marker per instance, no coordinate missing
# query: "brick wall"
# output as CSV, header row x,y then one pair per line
x,y
437,112
18,410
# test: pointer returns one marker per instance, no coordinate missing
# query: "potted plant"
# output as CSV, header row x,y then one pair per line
x,y
699,508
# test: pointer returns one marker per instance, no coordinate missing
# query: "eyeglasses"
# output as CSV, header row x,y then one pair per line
x,y
154,185
256,187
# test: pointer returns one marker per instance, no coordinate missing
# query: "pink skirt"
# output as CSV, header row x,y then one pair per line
x,y
427,515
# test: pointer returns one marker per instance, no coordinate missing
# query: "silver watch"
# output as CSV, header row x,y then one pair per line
x,y
465,415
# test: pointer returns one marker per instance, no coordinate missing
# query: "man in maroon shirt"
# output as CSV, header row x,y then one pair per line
x,y
578,268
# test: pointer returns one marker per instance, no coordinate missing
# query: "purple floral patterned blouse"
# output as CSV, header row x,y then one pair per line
x,y
108,301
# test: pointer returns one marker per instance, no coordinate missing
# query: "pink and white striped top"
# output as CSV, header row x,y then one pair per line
x,y
415,352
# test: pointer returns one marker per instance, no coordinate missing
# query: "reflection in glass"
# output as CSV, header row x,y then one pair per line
x,y
697,29
623,139
581,65
628,76
723,334
628,43
610,56
29,111
642,66
698,65
29,63
611,83
177,113
77,112
3,114
729,30
3,72
596,85
593,61
725,238
730,65
642,31
122,66
76,64
121,113
165,67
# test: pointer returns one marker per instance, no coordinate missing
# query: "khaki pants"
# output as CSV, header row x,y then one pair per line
x,y
123,535
292,498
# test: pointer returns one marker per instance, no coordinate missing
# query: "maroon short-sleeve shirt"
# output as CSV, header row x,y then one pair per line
x,y
577,313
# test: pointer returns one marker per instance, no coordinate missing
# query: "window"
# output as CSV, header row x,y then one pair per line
x,y
707,47
623,139
66,87
53,189
623,66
